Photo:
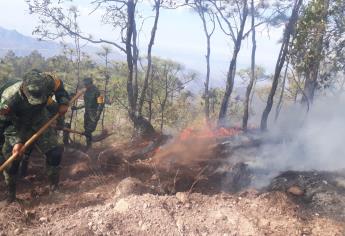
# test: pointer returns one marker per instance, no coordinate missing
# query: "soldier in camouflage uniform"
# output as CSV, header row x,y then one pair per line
x,y
93,104
23,110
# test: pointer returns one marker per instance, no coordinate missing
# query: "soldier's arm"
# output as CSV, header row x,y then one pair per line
x,y
60,93
8,118
4,116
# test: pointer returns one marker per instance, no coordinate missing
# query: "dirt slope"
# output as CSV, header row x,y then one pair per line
x,y
90,203
221,214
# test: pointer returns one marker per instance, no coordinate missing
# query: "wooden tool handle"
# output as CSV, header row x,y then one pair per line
x,y
38,133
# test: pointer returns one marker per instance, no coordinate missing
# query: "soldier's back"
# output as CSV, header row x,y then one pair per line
x,y
90,97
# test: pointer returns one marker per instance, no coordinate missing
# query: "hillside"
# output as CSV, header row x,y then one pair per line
x,y
117,191
22,45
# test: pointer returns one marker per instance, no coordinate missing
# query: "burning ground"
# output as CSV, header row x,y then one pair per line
x,y
202,182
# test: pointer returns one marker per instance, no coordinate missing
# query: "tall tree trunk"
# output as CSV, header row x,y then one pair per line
x,y
149,56
207,81
213,104
105,86
252,77
77,49
78,52
280,101
142,126
232,68
151,95
130,66
163,104
162,118
313,72
289,30
298,83
200,8
135,64
105,93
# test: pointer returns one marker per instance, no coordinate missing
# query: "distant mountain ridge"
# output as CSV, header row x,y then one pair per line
x,y
23,45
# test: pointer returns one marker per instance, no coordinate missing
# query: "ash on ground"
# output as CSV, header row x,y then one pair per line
x,y
240,167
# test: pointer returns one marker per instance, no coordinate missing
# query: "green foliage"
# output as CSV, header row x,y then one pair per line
x,y
166,97
311,28
323,20
167,102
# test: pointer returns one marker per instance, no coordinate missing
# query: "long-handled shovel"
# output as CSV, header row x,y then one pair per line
x,y
38,134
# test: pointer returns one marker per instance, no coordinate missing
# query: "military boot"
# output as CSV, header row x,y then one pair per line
x,y
11,193
11,187
54,179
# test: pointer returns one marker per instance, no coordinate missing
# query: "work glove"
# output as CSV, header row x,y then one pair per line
x,y
63,109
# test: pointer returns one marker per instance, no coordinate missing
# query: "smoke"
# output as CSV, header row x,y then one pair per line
x,y
304,141
299,141
187,153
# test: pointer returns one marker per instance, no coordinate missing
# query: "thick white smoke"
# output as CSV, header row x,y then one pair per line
x,y
301,141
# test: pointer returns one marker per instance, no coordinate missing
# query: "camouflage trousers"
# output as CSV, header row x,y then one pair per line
x,y
91,119
47,143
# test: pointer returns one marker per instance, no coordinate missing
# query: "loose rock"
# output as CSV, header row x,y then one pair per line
x,y
182,197
295,190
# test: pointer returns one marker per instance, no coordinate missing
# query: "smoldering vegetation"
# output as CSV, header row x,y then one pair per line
x,y
302,156
306,141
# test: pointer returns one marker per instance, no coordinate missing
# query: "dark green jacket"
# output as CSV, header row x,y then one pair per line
x,y
91,100
17,115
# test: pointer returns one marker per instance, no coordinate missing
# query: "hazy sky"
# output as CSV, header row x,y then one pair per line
x,y
179,37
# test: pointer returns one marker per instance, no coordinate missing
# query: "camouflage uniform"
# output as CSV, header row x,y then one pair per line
x,y
3,86
24,163
93,104
53,108
23,110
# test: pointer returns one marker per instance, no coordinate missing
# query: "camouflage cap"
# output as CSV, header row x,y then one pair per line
x,y
35,87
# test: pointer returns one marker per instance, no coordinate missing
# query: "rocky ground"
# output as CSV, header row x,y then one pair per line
x,y
102,193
